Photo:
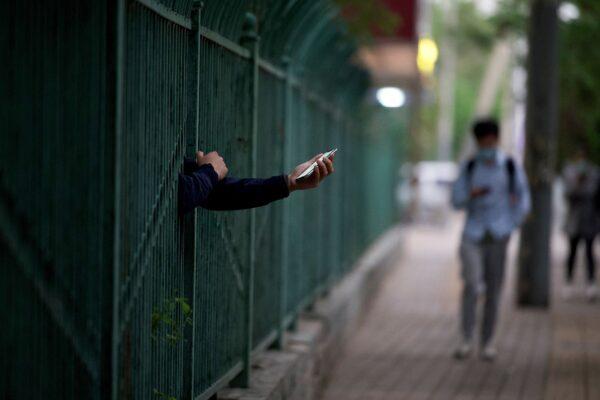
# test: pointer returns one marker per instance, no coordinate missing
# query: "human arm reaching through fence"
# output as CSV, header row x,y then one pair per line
x,y
204,183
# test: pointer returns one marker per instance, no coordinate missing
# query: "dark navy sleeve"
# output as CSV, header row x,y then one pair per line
x,y
195,187
199,186
190,166
238,194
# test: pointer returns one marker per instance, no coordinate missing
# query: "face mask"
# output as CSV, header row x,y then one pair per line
x,y
580,166
487,154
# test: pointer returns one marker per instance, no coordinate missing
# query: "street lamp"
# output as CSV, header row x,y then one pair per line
x,y
568,12
427,55
391,97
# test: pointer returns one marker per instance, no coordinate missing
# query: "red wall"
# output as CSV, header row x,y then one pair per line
x,y
407,10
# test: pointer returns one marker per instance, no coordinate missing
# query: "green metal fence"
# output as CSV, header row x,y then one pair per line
x,y
105,292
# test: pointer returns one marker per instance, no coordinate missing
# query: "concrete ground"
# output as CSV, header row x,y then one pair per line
x,y
403,349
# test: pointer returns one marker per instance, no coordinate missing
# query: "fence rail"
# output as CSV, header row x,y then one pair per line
x,y
107,293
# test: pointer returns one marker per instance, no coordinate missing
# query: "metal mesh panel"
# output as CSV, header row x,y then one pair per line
x,y
329,202
353,188
307,266
223,237
384,144
268,242
52,199
225,16
298,269
151,320
181,7
335,198
321,115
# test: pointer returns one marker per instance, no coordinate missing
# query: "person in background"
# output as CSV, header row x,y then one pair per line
x,y
204,183
493,190
580,178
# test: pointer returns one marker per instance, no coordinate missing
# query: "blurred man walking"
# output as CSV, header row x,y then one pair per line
x,y
580,178
494,191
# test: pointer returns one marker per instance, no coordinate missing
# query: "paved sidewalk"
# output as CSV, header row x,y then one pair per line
x,y
574,371
403,349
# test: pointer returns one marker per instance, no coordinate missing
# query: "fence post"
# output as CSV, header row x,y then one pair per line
x,y
250,40
109,371
285,218
189,223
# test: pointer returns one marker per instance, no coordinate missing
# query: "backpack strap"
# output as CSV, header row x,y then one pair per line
x,y
510,170
470,168
597,195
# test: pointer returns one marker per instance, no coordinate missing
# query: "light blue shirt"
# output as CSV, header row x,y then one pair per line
x,y
497,212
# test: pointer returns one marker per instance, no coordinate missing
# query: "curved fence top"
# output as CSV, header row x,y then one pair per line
x,y
307,36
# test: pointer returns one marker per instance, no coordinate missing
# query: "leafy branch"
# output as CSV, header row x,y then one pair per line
x,y
166,319
363,18
162,395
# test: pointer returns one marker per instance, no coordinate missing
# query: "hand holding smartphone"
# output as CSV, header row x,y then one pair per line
x,y
480,191
311,168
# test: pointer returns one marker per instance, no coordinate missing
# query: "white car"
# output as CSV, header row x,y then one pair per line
x,y
426,193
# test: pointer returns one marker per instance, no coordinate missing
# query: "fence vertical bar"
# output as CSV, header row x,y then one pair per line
x,y
285,220
114,80
189,222
250,40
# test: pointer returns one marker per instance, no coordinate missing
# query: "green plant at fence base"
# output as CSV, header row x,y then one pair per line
x,y
162,395
166,317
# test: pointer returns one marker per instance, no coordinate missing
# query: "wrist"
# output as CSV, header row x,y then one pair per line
x,y
291,183
209,170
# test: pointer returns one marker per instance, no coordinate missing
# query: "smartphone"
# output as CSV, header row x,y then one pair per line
x,y
482,191
308,171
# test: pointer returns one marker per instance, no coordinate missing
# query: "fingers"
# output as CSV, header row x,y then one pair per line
x,y
317,175
315,158
322,169
199,155
329,165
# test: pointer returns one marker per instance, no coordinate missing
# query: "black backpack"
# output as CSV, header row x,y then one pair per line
x,y
597,196
510,170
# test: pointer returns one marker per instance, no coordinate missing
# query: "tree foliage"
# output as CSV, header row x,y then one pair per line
x,y
474,35
364,18
511,18
579,76
579,118
580,82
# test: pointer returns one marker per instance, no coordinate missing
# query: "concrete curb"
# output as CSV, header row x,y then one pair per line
x,y
300,370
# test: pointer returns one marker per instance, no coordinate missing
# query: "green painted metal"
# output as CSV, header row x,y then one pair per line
x,y
268,233
151,317
191,232
51,341
223,268
107,292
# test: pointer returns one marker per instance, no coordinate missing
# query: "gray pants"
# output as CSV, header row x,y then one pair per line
x,y
482,272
